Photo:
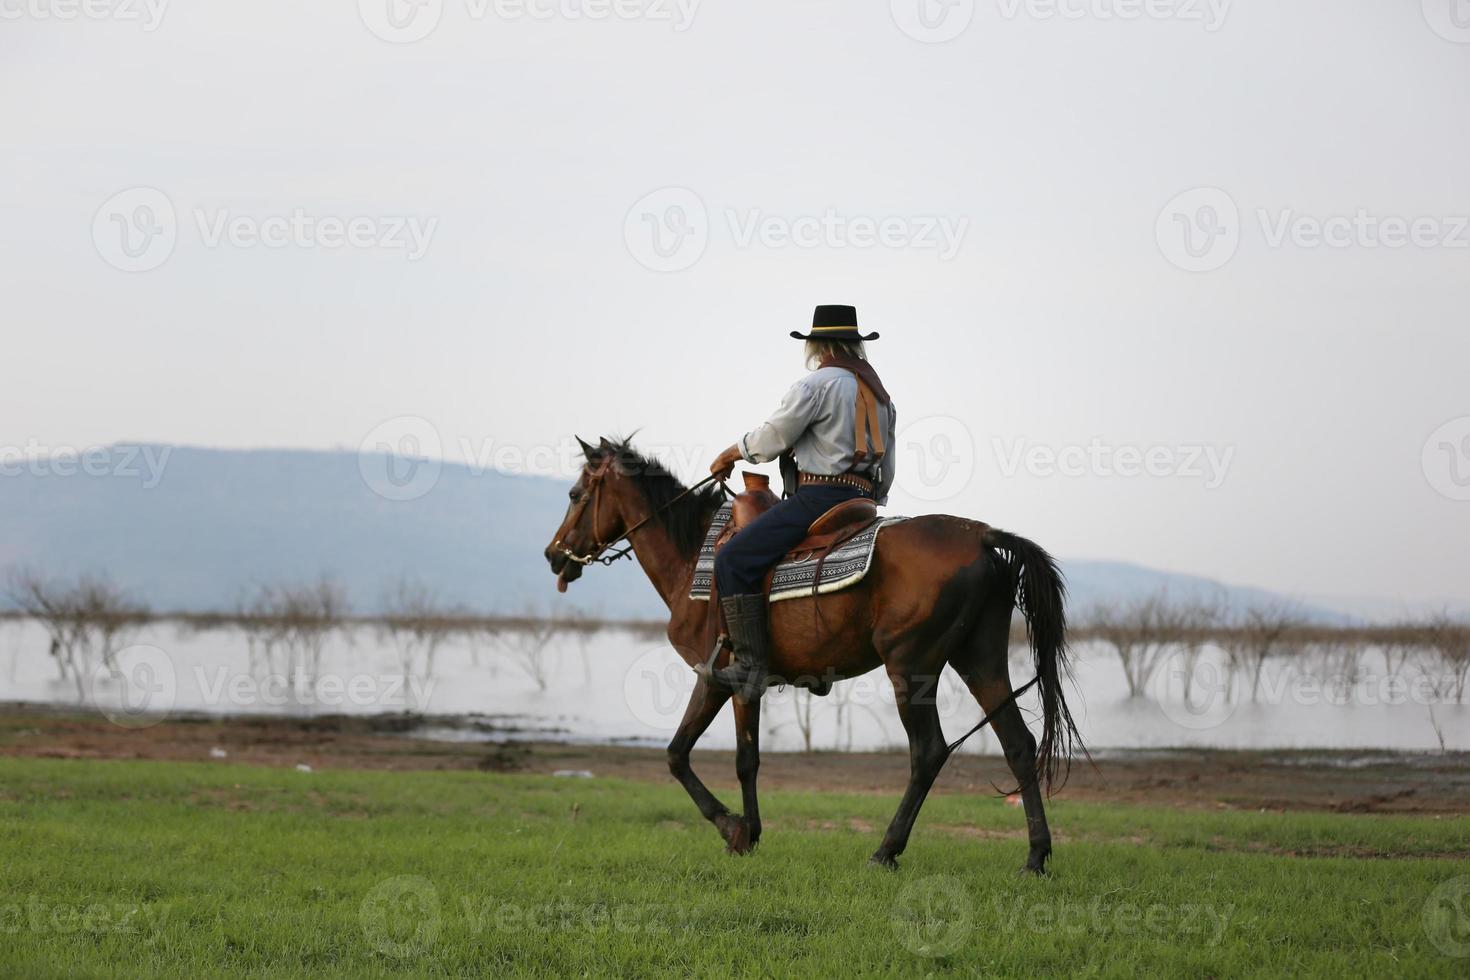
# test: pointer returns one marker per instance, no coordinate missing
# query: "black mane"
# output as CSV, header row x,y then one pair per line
x,y
687,518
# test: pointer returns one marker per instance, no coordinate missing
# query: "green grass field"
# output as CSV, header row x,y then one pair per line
x,y
136,868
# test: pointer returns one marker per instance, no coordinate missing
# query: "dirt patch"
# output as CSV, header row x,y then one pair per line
x,y
1349,782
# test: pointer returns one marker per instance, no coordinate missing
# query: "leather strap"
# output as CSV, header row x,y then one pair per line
x,y
866,426
840,479
871,395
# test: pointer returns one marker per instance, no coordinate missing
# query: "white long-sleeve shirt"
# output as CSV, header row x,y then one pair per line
x,y
816,421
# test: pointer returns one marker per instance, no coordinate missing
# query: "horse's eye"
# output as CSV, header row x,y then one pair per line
x,y
574,493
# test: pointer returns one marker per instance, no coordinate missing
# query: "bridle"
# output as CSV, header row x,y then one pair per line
x,y
594,484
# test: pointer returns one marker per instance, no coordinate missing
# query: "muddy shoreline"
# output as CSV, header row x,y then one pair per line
x,y
1300,779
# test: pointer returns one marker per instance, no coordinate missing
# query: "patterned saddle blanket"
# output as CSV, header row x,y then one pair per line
x,y
845,565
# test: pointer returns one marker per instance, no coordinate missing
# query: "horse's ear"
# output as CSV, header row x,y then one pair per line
x,y
606,446
587,450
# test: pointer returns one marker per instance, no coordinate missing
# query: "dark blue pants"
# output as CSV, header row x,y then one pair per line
x,y
742,563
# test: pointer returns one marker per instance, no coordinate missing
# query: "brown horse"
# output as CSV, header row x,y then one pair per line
x,y
940,590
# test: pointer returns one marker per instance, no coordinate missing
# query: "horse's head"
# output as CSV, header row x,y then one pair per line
x,y
594,517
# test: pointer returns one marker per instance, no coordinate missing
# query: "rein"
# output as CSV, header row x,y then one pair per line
x,y
593,486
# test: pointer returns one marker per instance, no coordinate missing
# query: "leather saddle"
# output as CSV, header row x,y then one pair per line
x,y
831,529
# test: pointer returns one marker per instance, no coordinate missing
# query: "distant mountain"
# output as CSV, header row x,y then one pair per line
x,y
193,529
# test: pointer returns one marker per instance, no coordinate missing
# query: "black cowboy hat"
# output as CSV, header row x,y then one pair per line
x,y
834,323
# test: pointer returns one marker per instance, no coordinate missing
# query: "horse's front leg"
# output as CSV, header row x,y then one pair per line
x,y
704,704
748,762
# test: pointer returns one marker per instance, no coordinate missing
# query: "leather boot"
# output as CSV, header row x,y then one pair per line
x,y
750,632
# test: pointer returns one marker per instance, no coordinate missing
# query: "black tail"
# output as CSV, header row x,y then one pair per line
x,y
1041,594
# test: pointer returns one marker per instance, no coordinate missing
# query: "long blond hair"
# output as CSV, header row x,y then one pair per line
x,y
818,351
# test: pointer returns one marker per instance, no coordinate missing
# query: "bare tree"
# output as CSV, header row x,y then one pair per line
x,y
87,617
526,639
1446,643
1140,633
416,623
1260,633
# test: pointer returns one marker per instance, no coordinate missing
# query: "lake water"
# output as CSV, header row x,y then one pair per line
x,y
615,687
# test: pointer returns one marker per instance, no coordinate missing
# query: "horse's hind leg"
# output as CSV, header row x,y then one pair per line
x,y
986,673
916,695
704,704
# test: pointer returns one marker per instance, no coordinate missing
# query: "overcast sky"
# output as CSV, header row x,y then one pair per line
x,y
1183,283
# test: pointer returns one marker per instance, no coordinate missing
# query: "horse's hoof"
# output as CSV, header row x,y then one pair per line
x,y
736,832
887,861
1028,870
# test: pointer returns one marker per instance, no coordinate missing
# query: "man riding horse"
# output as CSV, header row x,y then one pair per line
x,y
831,433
